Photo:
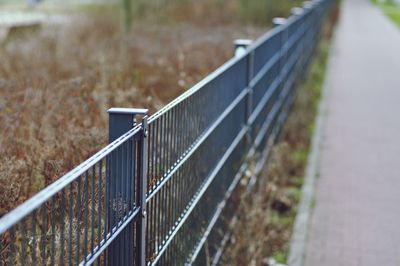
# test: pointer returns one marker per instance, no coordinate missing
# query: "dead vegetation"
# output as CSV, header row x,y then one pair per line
x,y
55,87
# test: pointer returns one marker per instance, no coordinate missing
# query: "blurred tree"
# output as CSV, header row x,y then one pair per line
x,y
128,16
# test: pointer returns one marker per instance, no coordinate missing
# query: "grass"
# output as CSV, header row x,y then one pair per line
x,y
279,257
394,15
391,10
264,227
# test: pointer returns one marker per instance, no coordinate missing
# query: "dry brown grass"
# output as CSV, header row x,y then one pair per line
x,y
56,86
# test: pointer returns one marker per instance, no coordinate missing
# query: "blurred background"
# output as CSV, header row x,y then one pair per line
x,y
64,63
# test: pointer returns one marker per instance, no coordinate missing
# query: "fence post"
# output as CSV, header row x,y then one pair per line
x,y
278,21
142,193
121,120
240,47
298,11
297,68
307,7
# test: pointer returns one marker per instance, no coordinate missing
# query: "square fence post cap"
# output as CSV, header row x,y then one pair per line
x,y
242,42
279,21
297,11
308,4
128,111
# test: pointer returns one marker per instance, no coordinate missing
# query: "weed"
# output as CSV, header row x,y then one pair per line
x,y
294,193
300,156
279,257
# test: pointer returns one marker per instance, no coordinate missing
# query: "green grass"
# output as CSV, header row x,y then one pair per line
x,y
279,257
300,155
391,10
395,16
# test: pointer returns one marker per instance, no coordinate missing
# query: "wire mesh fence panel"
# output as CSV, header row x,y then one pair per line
x,y
171,202
74,220
166,191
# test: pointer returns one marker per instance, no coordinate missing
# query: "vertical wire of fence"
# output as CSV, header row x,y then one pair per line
x,y
165,192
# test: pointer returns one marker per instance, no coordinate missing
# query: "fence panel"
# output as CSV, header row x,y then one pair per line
x,y
74,220
205,138
166,192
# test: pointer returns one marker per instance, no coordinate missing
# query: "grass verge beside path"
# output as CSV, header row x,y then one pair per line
x,y
392,10
395,16
266,218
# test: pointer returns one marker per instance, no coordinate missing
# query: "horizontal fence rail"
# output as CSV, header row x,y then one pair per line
x,y
163,192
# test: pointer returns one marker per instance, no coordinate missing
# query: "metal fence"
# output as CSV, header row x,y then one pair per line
x,y
163,193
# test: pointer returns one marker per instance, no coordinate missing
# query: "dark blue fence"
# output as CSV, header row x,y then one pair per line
x,y
165,191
